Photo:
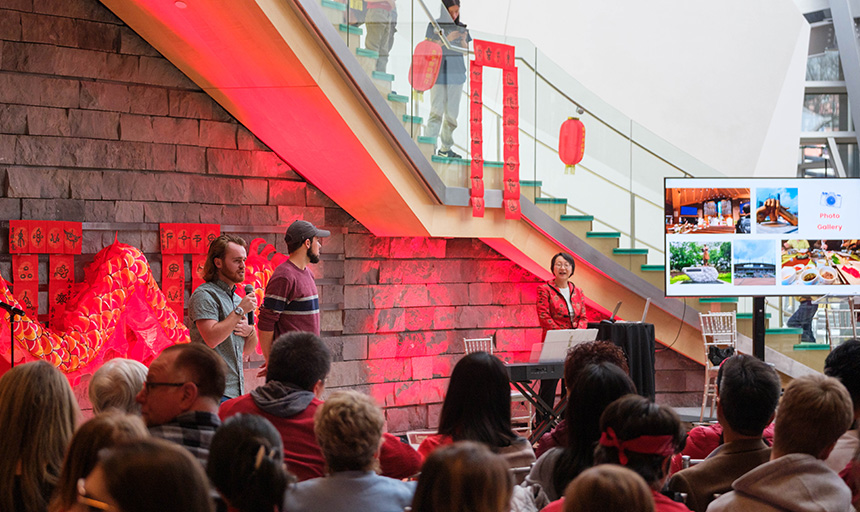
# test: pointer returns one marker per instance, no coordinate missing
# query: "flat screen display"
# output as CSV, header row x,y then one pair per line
x,y
762,237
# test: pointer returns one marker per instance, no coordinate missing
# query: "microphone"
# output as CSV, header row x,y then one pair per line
x,y
250,289
12,310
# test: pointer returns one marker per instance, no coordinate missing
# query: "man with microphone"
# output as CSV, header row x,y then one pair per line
x,y
219,317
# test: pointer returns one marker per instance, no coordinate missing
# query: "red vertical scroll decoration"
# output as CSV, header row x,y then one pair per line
x,y
173,281
61,277
497,56
26,271
19,236
476,175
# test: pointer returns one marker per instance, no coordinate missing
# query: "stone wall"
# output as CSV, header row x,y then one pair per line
x,y
97,127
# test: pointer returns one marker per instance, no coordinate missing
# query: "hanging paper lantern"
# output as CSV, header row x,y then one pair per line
x,y
426,62
571,143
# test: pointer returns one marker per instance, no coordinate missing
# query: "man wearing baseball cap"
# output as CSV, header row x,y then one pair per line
x,y
292,300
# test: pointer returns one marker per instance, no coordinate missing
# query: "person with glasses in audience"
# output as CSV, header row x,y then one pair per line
x,y
560,305
180,397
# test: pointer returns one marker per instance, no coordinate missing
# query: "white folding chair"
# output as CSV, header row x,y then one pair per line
x,y
718,330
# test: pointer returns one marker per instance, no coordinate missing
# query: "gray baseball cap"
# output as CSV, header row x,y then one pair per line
x,y
301,230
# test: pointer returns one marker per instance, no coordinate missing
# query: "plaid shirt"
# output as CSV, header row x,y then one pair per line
x,y
193,430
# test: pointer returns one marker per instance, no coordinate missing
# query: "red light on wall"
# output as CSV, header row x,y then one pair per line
x,y
571,143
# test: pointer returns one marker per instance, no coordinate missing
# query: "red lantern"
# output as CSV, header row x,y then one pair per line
x,y
571,143
426,62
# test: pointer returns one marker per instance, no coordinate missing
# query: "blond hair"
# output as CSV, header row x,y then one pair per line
x,y
115,385
608,487
38,413
103,431
348,428
814,412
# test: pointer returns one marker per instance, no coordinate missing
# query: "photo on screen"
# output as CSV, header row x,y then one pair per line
x,y
820,262
776,210
700,263
754,262
707,210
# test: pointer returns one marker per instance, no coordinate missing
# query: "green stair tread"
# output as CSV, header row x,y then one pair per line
x,y
783,330
748,316
412,119
364,52
623,250
578,218
602,234
653,268
550,200
334,5
379,75
718,300
423,139
491,163
811,346
343,27
531,183
398,98
446,160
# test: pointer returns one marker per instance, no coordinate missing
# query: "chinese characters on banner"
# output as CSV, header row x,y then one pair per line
x,y
176,241
495,55
62,240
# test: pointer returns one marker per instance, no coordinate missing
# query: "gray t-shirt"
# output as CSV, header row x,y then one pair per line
x,y
216,300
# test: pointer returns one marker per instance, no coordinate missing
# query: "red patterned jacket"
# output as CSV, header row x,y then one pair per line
x,y
552,308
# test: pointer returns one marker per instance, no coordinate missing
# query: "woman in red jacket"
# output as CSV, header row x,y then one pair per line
x,y
560,305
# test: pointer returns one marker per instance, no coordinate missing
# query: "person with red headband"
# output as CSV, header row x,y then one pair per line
x,y
642,436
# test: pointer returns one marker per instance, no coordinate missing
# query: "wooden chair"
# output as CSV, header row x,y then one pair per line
x,y
521,424
718,330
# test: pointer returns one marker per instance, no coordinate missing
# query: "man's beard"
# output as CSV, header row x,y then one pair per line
x,y
314,258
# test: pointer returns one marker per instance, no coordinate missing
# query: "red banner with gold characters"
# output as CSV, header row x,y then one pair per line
x,y
177,240
500,56
61,277
25,268
173,281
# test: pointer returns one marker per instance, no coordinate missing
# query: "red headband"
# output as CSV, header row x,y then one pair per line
x,y
651,445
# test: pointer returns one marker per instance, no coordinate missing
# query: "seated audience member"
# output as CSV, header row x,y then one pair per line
x,y
463,477
747,394
145,476
246,464
38,413
477,407
348,428
299,363
607,488
103,431
814,411
116,384
579,357
596,386
641,436
843,363
179,400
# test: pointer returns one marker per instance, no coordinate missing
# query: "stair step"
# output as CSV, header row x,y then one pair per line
x,y
718,300
625,251
748,316
413,119
364,52
334,5
811,346
379,75
531,183
398,98
423,139
490,163
446,160
578,218
783,330
550,200
603,234
653,268
349,29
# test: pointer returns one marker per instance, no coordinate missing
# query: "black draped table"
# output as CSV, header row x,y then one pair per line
x,y
636,339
